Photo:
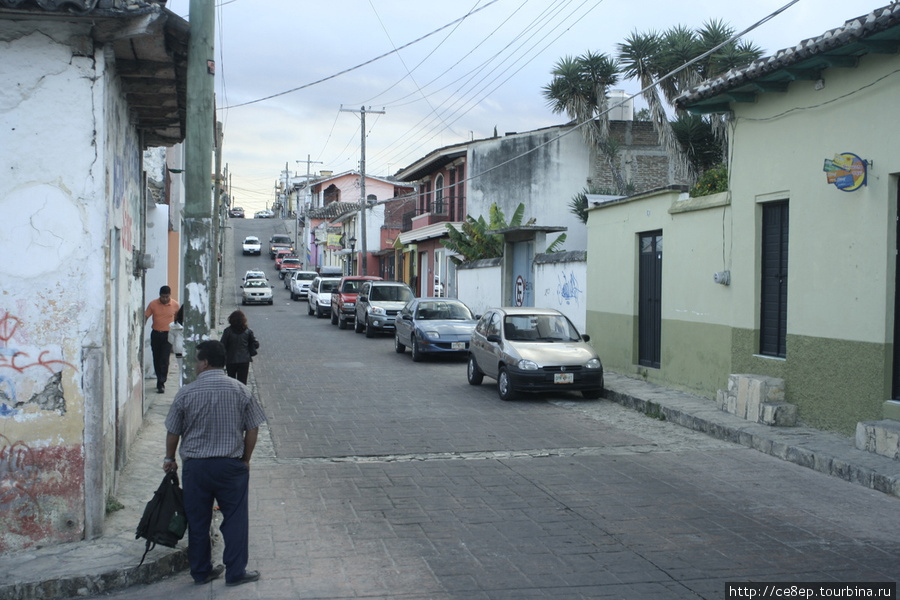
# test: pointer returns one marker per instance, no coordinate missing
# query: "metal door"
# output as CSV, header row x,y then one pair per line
x,y
774,284
650,299
522,277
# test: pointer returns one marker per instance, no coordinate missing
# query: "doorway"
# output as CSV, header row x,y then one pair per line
x,y
650,299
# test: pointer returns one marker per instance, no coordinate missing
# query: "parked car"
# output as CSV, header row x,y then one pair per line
x,y
319,297
343,298
251,245
298,282
288,265
256,291
280,255
236,212
378,304
254,274
433,326
264,214
277,242
529,349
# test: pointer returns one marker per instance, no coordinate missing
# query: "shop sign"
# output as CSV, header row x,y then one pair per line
x,y
846,171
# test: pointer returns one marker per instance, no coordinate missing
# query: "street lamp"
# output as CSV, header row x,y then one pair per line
x,y
352,251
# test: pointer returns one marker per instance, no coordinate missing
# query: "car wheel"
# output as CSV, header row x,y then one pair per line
x,y
504,387
591,394
342,323
370,331
357,326
398,347
271,302
244,302
416,352
334,319
319,314
310,311
293,296
473,373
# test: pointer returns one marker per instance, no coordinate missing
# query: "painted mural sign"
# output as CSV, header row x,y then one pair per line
x,y
846,171
567,291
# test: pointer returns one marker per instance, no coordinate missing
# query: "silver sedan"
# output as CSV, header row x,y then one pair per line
x,y
529,349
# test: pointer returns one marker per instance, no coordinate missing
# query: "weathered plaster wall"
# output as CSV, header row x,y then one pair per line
x,y
560,282
479,284
545,175
57,433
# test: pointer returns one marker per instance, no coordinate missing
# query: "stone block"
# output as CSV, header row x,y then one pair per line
x,y
779,414
879,437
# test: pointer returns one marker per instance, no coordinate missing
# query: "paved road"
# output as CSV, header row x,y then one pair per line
x,y
387,479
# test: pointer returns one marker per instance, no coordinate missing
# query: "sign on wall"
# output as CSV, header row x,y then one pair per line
x,y
846,171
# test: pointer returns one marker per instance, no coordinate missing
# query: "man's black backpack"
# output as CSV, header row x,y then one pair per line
x,y
163,521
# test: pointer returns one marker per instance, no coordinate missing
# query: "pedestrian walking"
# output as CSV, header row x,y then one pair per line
x,y
216,419
240,346
163,310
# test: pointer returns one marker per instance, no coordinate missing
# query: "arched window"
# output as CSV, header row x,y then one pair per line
x,y
438,205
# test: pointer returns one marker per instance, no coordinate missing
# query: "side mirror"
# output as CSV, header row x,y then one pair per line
x,y
363,299
407,317
586,337
493,338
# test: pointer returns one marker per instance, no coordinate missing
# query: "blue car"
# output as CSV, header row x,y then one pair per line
x,y
434,326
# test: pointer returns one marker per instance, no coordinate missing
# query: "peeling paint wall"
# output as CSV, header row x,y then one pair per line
x,y
66,298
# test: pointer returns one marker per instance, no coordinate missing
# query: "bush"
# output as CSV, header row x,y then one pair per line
x,y
713,181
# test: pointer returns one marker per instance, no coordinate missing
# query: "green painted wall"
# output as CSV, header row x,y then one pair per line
x,y
695,356
835,383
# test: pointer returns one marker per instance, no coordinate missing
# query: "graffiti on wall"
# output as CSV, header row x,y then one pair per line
x,y
567,290
28,376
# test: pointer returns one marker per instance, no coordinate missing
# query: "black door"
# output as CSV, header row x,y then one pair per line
x,y
650,299
895,394
773,302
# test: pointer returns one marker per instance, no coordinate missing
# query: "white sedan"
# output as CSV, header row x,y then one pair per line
x,y
252,245
256,291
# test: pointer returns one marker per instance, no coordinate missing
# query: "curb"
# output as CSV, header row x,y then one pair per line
x,y
827,453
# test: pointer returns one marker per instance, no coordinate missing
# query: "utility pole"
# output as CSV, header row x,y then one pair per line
x,y
199,241
362,185
297,216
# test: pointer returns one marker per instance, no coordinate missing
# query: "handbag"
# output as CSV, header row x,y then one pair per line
x,y
253,345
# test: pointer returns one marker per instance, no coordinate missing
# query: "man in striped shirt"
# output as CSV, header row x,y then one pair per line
x,y
216,419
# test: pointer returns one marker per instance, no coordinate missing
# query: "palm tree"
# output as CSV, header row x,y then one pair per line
x,y
578,88
651,58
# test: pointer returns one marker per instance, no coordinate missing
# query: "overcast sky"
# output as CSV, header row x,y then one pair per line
x,y
460,83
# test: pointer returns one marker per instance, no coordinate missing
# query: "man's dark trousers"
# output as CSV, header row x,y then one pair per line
x,y
225,481
161,349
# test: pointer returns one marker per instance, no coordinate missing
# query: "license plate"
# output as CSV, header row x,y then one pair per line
x,y
457,345
564,378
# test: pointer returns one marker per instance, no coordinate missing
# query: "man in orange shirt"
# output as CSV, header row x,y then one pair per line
x,y
163,311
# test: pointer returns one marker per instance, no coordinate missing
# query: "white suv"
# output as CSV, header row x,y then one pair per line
x,y
319,297
299,283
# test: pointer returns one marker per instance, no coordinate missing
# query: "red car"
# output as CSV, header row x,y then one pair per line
x,y
343,298
280,255
288,265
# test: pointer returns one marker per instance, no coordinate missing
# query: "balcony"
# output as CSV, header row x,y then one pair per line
x,y
452,209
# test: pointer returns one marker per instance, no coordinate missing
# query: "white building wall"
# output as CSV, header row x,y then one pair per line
x,y
70,200
546,173
562,285
478,286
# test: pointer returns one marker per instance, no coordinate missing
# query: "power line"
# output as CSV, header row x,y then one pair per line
x,y
368,62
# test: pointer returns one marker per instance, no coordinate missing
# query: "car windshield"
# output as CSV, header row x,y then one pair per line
x,y
306,276
251,240
539,328
444,311
350,287
327,286
256,283
291,261
390,293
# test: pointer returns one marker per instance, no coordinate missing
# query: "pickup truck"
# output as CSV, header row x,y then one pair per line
x,y
279,242
343,299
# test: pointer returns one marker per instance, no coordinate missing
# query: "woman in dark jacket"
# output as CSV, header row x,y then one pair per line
x,y
240,345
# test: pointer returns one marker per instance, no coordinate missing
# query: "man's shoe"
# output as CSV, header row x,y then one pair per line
x,y
248,577
214,574
160,389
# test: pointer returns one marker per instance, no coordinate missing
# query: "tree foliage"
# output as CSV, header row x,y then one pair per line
x,y
473,242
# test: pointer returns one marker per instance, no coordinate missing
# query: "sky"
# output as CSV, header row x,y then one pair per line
x,y
292,76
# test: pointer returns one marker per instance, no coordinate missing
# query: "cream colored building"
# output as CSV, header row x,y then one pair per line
x,y
806,237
